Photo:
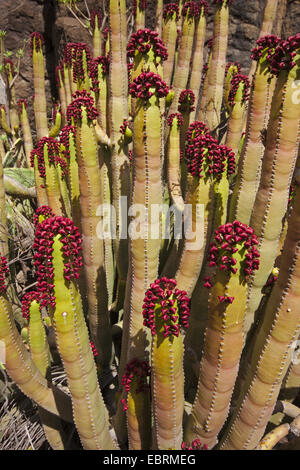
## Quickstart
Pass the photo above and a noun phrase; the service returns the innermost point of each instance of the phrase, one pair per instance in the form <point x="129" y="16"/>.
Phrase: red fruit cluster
<point x="36" y="41"/>
<point x="74" y="52"/>
<point x="27" y="299"/>
<point x="203" y="156"/>
<point x="285" y="52"/>
<point x="192" y="9"/>
<point x="195" y="129"/>
<point x="22" y="103"/>
<point x="43" y="248"/>
<point x="269" y="43"/>
<point x="94" y="349"/>
<point x="236" y="65"/>
<point x="135" y="370"/>
<point x="53" y="154"/>
<point x="165" y="307"/>
<point x="64" y="137"/>
<point x="124" y="126"/>
<point x="229" y="239"/>
<point x="81" y="99"/>
<point x="169" y="11"/>
<point x="103" y="62"/>
<point x="44" y="211"/>
<point x="141" y="85"/>
<point x="143" y="40"/>
<point x="96" y="14"/>
<point x="228" y="159"/>
<point x="173" y="116"/>
<point x="196" y="445"/>
<point x="235" y="82"/>
<point x="186" y="101"/>
<point x="4" y="272"/>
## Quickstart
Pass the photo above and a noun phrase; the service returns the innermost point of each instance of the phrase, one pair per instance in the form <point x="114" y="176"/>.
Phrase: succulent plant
<point x="175" y="329"/>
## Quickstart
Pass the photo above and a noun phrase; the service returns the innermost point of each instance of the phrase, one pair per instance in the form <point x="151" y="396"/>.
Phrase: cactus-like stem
<point x="278" y="166"/>
<point x="204" y="163"/>
<point x="266" y="27"/>
<point x="96" y="20"/>
<point x="197" y="60"/>
<point x="139" y="11"/>
<point x="68" y="149"/>
<point x="200" y="112"/>
<point x="54" y="131"/>
<point x="27" y="136"/>
<point x="249" y="167"/>
<point x="165" y="310"/>
<point x="118" y="111"/>
<point x="233" y="251"/>
<point x="137" y="404"/>
<point x="237" y="99"/>
<point x="173" y="159"/>
<point x="20" y="367"/>
<point x="58" y="261"/>
<point x="40" y="105"/>
<point x="83" y="112"/>
<point x="217" y="66"/>
<point x="61" y="91"/>
<point x="47" y="154"/>
<point x="147" y="89"/>
<point x="169" y="37"/>
<point x="40" y="354"/>
<point x="190" y="12"/>
<point x="3" y="121"/>
<point x="272" y="348"/>
<point x="232" y="69"/>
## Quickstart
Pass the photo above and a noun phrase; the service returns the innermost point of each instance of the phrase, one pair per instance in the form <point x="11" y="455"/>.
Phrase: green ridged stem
<point x="200" y="114"/>
<point x="97" y="38"/>
<point x="117" y="112"/>
<point x="25" y="374"/>
<point x="140" y="16"/>
<point x="278" y="165"/>
<point x="249" y="166"/>
<point x="236" y="119"/>
<point x="52" y="185"/>
<point x="197" y="62"/>
<point x="146" y="190"/>
<point x="169" y="36"/>
<point x="216" y="72"/>
<point x="41" y="193"/>
<point x="267" y="26"/>
<point x="221" y="352"/>
<point x="232" y="70"/>
<point x="272" y="349"/>
<point x="40" y="354"/>
<point x="39" y="102"/>
<point x="181" y="72"/>
<point x="26" y="131"/>
<point x="91" y="197"/>
<point x="173" y="165"/>
<point x="90" y="414"/>
<point x="4" y="122"/>
<point x="54" y="131"/>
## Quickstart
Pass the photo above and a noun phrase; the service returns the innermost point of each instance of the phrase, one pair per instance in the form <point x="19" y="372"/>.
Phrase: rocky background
<point x="19" y="18"/>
